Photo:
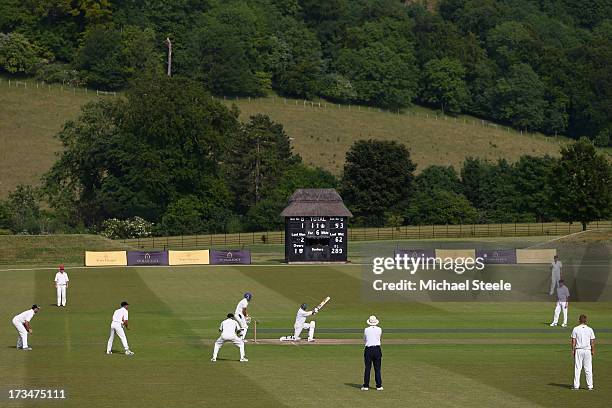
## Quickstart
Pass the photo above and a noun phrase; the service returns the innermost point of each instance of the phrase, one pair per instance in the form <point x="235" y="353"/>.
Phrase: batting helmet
<point x="248" y="296"/>
<point x="304" y="306"/>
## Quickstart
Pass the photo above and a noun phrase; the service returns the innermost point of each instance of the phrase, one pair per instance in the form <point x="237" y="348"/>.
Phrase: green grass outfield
<point x="174" y="315"/>
<point x="438" y="354"/>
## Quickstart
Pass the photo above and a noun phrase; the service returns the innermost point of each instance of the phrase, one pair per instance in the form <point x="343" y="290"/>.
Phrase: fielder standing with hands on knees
<point x="22" y="324"/>
<point x="372" y="354"/>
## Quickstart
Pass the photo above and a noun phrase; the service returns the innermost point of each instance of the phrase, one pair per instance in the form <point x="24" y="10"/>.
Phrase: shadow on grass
<point x="353" y="385"/>
<point x="568" y="386"/>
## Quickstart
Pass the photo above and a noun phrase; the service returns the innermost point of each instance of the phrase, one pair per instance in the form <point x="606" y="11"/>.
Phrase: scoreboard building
<point x="316" y="226"/>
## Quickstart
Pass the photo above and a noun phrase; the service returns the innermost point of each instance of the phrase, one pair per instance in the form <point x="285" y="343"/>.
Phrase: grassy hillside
<point x="52" y="249"/>
<point x="321" y="135"/>
<point x="28" y="120"/>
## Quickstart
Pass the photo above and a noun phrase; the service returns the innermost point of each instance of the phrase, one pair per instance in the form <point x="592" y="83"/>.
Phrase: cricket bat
<point x="323" y="303"/>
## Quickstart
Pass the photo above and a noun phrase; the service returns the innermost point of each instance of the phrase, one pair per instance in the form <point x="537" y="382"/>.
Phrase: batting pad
<point x="535" y="256"/>
<point x="456" y="253"/>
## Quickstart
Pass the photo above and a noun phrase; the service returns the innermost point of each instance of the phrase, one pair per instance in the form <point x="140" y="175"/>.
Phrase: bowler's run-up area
<point x="461" y="348"/>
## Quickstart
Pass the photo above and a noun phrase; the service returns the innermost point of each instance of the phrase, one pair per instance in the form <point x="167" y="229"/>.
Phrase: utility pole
<point x="169" y="44"/>
<point x="257" y="171"/>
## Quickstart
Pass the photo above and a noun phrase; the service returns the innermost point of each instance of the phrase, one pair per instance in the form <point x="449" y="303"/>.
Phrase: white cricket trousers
<point x="117" y="328"/>
<point x="22" y="334"/>
<point x="583" y="359"/>
<point x="560" y="306"/>
<point x="554" y="283"/>
<point x="61" y="295"/>
<point x="298" y="330"/>
<point x="243" y="324"/>
<point x="238" y="342"/>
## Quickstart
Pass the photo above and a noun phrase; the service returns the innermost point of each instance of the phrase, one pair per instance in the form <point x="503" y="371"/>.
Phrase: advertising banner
<point x="230" y="257"/>
<point x="535" y="256"/>
<point x="497" y="256"/>
<point x="200" y="257"/>
<point x="108" y="258"/>
<point x="152" y="258"/>
<point x="416" y="253"/>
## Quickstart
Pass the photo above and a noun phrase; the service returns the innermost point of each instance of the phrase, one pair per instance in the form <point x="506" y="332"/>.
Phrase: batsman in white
<point x="61" y="284"/>
<point x="229" y="329"/>
<point x="241" y="314"/>
<point x="22" y="324"/>
<point x="300" y="324"/>
<point x="120" y="320"/>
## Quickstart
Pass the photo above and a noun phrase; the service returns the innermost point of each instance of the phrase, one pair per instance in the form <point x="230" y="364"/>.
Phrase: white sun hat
<point x="372" y="321"/>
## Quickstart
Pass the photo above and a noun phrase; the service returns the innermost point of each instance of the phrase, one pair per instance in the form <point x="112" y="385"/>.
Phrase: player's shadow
<point x="353" y="385"/>
<point x="560" y="385"/>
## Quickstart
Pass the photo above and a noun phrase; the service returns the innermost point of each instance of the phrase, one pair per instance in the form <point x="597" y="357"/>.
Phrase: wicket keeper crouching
<point x="229" y="329"/>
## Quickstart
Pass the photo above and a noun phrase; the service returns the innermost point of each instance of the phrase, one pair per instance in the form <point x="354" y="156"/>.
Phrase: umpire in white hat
<point x="372" y="355"/>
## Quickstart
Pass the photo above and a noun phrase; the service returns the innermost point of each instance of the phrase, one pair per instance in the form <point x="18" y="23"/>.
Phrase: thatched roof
<point x="313" y="202"/>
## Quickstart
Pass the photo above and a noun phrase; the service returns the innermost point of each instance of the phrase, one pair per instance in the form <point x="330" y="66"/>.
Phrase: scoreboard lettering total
<point x="311" y="239"/>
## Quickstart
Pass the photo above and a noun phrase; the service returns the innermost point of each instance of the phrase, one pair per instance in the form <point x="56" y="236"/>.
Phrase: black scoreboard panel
<point x="316" y="239"/>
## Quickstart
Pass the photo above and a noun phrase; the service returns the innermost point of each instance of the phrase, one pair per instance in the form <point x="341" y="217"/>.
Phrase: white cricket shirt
<point x="300" y="317"/>
<point x="583" y="335"/>
<point x="120" y="315"/>
<point x="229" y="327"/>
<point x="556" y="268"/>
<point x="61" y="278"/>
<point x="24" y="316"/>
<point x="241" y="305"/>
<point x="563" y="293"/>
<point x="371" y="336"/>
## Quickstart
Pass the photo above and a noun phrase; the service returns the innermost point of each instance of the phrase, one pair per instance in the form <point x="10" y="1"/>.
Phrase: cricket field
<point x="435" y="353"/>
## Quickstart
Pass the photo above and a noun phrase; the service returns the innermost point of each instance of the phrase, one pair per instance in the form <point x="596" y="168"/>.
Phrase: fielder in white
<point x="562" y="304"/>
<point x="229" y="329"/>
<point x="300" y="324"/>
<point x="583" y="349"/>
<point x="120" y="320"/>
<point x="241" y="314"/>
<point x="22" y="324"/>
<point x="555" y="274"/>
<point x="61" y="284"/>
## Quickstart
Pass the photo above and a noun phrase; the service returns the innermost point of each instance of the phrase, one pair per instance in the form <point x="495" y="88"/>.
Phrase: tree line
<point x="167" y="159"/>
<point x="533" y="65"/>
